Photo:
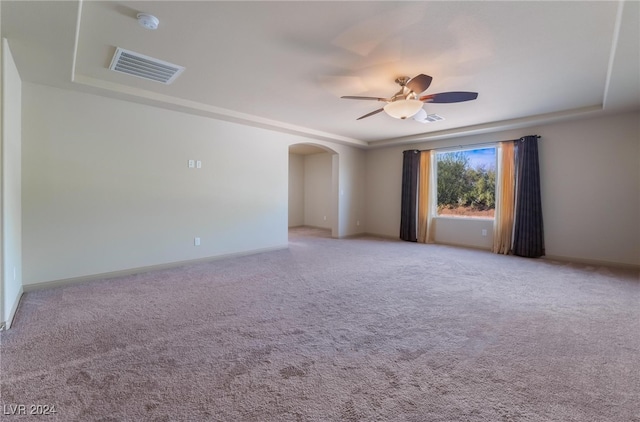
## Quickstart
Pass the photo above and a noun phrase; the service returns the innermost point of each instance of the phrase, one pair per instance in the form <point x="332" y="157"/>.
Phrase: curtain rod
<point x="474" y="145"/>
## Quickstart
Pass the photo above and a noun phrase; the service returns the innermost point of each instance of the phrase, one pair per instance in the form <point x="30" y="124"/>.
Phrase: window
<point x="466" y="183"/>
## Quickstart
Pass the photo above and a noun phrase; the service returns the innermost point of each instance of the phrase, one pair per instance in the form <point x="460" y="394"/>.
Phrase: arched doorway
<point x="313" y="187"/>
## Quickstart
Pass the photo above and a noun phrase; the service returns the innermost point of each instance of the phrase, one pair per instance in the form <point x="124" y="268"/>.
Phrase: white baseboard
<point x="460" y="245"/>
<point x="380" y="236"/>
<point x="12" y="313"/>
<point x="594" y="262"/>
<point x="307" y="226"/>
<point x="622" y="265"/>
<point x="82" y="279"/>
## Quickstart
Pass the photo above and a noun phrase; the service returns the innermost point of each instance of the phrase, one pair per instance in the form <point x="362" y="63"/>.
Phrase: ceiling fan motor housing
<point x="402" y="80"/>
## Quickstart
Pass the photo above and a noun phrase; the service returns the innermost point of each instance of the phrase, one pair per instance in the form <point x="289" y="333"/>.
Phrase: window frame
<point x="461" y="148"/>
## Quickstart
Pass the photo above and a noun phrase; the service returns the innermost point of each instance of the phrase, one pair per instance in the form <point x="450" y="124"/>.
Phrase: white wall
<point x="296" y="190"/>
<point x="352" y="192"/>
<point x="318" y="190"/>
<point x="464" y="232"/>
<point x="590" y="180"/>
<point x="106" y="186"/>
<point x="348" y="186"/>
<point x="3" y="317"/>
<point x="383" y="190"/>
<point x="11" y="185"/>
<point x="591" y="188"/>
<point x="311" y="194"/>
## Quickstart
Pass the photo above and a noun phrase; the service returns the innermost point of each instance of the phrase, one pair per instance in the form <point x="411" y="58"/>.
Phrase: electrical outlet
<point x="196" y="241"/>
<point x="191" y="164"/>
<point x="484" y="232"/>
<point x="357" y="222"/>
<point x="198" y="164"/>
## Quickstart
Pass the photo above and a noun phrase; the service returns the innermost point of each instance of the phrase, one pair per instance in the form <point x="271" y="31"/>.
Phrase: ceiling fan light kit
<point x="402" y="109"/>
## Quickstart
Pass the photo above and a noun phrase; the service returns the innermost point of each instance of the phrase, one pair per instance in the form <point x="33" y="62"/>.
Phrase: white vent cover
<point x="433" y="118"/>
<point x="145" y="67"/>
<point x="423" y="117"/>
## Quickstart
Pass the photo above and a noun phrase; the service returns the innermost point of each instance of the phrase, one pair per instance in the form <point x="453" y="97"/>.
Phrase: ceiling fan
<point x="407" y="102"/>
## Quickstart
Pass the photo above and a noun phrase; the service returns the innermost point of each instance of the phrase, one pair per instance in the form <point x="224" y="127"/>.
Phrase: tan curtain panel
<point x="425" y="206"/>
<point x="505" y="206"/>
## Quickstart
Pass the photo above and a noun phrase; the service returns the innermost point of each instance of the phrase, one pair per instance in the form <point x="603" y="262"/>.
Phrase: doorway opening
<point x="313" y="188"/>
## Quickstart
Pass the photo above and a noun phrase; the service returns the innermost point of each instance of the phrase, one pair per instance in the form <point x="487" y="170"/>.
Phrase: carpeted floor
<point x="333" y="330"/>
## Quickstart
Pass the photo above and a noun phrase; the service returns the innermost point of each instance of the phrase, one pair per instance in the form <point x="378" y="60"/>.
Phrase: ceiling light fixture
<point x="402" y="109"/>
<point x="148" y="21"/>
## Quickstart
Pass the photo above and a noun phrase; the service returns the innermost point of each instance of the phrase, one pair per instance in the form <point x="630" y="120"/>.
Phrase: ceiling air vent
<point x="145" y="67"/>
<point x="433" y="118"/>
<point x="427" y="118"/>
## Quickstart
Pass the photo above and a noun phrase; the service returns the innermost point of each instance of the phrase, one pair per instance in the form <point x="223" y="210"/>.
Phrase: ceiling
<point x="285" y="65"/>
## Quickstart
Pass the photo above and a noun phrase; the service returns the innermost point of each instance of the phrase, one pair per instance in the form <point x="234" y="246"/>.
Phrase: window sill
<point x="447" y="217"/>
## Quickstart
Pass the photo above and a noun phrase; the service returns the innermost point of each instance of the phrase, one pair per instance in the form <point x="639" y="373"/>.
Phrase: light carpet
<point x="361" y="329"/>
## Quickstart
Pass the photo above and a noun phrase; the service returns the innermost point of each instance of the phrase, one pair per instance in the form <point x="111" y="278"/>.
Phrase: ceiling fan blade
<point x="355" y="97"/>
<point x="420" y="83"/>
<point x="370" y="114"/>
<point x="450" y="97"/>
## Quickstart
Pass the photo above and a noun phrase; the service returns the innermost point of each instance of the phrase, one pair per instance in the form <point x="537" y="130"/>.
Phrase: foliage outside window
<point x="467" y="183"/>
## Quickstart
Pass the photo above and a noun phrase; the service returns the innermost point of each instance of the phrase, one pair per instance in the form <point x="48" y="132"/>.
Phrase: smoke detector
<point x="148" y="21"/>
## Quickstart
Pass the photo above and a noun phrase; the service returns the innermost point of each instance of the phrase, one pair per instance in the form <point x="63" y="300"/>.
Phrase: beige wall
<point x="106" y="186"/>
<point x="352" y="193"/>
<point x="590" y="177"/>
<point x="296" y="190"/>
<point x="464" y="232"/>
<point x="334" y="186"/>
<point x="11" y="185"/>
<point x="591" y="188"/>
<point x="318" y="190"/>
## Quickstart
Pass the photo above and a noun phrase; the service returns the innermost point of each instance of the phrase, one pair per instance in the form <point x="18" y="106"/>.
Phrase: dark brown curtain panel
<point x="408" y="216"/>
<point x="528" y="235"/>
